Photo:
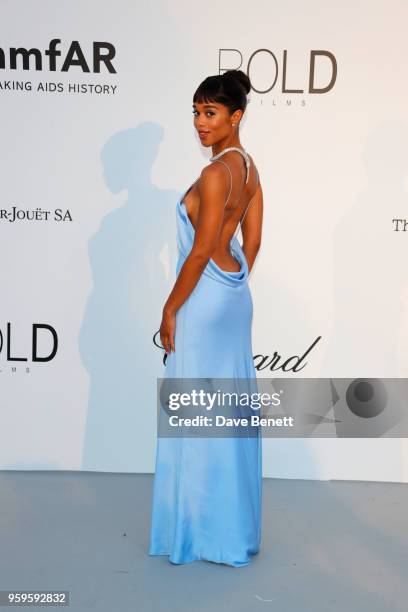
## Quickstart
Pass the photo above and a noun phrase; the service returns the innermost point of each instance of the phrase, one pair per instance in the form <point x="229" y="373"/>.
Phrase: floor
<point x="326" y="546"/>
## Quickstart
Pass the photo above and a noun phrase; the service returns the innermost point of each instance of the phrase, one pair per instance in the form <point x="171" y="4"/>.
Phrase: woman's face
<point x="213" y="122"/>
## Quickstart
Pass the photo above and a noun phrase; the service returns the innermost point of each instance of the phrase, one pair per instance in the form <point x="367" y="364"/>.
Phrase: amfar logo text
<point x="19" y="57"/>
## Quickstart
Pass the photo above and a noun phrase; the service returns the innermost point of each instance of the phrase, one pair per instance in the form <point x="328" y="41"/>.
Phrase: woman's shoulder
<point x="216" y="172"/>
<point x="213" y="176"/>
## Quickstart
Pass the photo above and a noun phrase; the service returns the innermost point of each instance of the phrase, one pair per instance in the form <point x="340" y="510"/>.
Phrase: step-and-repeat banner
<point x="97" y="143"/>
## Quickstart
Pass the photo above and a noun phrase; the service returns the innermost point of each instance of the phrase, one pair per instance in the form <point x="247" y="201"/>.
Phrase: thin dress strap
<point x="245" y="212"/>
<point x="257" y="183"/>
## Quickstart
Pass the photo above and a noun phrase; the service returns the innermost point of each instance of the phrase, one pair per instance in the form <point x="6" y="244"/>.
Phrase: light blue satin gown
<point x="207" y="492"/>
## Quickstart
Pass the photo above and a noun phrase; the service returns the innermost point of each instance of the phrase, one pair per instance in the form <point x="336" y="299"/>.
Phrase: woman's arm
<point x="212" y="186"/>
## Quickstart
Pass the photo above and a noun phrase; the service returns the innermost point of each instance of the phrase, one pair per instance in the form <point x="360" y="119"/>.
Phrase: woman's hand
<point x="168" y="330"/>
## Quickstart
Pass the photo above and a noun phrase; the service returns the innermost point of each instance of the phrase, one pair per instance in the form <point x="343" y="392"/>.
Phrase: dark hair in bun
<point x="230" y="88"/>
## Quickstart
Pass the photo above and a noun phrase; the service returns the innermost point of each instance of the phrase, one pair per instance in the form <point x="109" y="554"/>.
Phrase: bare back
<point x="242" y="190"/>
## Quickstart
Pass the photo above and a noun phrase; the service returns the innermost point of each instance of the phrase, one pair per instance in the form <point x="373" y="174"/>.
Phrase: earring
<point x="233" y="125"/>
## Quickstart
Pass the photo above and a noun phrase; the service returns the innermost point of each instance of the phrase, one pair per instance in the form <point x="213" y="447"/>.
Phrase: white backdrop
<point x="113" y="150"/>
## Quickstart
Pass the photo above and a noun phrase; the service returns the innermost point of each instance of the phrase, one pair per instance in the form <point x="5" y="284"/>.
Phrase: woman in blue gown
<point x="207" y="491"/>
